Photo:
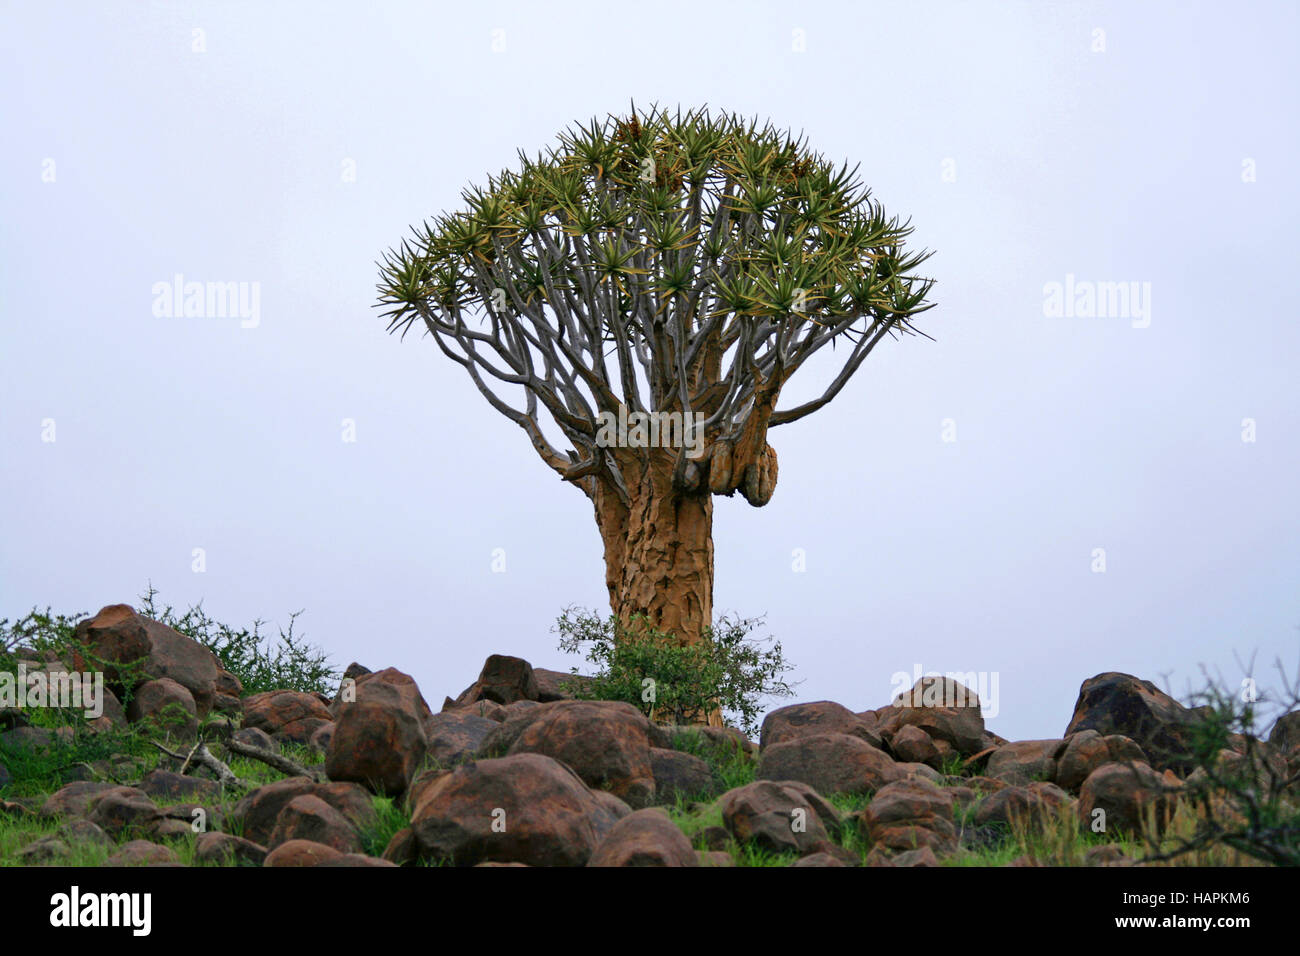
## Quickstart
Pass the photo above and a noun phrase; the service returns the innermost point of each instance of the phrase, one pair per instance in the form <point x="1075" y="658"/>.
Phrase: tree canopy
<point x="659" y="262"/>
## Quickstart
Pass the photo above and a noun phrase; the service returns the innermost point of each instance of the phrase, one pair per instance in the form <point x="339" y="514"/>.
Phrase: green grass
<point x="389" y="818"/>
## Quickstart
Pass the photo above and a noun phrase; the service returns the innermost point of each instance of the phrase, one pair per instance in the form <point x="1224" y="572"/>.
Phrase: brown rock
<point x="257" y="812"/>
<point x="309" y="817"/>
<point x="169" y="828"/>
<point x="1285" y="735"/>
<point x="919" y="770"/>
<point x="713" y="838"/>
<point x="829" y="763"/>
<point x="943" y="708"/>
<point x="680" y="776"/>
<point x="1114" y="703"/>
<point x="123" y="810"/>
<point x="913" y="745"/>
<point x="404" y="684"/>
<point x="612" y="804"/>
<point x="606" y="743"/>
<point x="504" y="680"/>
<point x="165" y="705"/>
<point x="715" y="858"/>
<point x="644" y="838"/>
<point x="1025" y="761"/>
<point x="1087" y="750"/>
<point x="515" y="718"/>
<point x="165" y="787"/>
<point x="222" y="849"/>
<point x="481" y="708"/>
<point x="908" y="815"/>
<point x="292" y="714"/>
<point x="118" y="636"/>
<point x="321" y="737"/>
<point x="557" y="685"/>
<point x="403" y="849"/>
<point x="1105" y="855"/>
<point x="44" y="849"/>
<point x="301" y="853"/>
<point x="455" y="736"/>
<point x="83" y="831"/>
<point x="379" y="740"/>
<point x="819" y="859"/>
<point x="255" y="737"/>
<point x="813" y="719"/>
<point x="525" y="808"/>
<point x="74" y="799"/>
<point x="356" y="859"/>
<point x="1125" y="794"/>
<point x="1021" y="806"/>
<point x="141" y="853"/>
<point x="922" y="857"/>
<point x="780" y="816"/>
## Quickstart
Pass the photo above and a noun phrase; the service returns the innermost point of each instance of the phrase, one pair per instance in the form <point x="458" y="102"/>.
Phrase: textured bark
<point x="659" y="551"/>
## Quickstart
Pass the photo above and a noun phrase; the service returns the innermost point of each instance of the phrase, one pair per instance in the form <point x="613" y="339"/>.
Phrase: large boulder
<point x="165" y="706"/>
<point x="1024" y="761"/>
<point x="908" y="815"/>
<point x="257" y="813"/>
<point x="456" y="735"/>
<point x="123" y="810"/>
<point x="524" y="808"/>
<point x="645" y="838"/>
<point x="293" y="853"/>
<point x="780" y="816"/>
<point x="1286" y="732"/>
<point x="606" y="743"/>
<point x="807" y="720"/>
<point x="1087" y="750"/>
<point x="829" y="763"/>
<point x="557" y="685"/>
<point x="680" y="776"/>
<point x="223" y="849"/>
<point x="1126" y="795"/>
<point x="378" y="739"/>
<point x="74" y="799"/>
<point x="228" y="691"/>
<point x="946" y="710"/>
<point x="1030" y="806"/>
<point x="134" y="649"/>
<point x="913" y="745"/>
<point x="504" y="679"/>
<point x="404" y="683"/>
<point x="1114" y="703"/>
<point x="166" y="787"/>
<point x="308" y="817"/>
<point x="141" y="853"/>
<point x="291" y="714"/>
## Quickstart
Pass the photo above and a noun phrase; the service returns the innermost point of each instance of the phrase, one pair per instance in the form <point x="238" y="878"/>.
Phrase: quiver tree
<point x="651" y="283"/>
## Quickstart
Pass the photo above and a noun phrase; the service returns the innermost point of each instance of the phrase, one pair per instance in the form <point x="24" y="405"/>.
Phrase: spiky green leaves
<point x="710" y="211"/>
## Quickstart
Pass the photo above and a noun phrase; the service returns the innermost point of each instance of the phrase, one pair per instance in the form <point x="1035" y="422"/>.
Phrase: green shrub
<point x="1240" y="795"/>
<point x="672" y="682"/>
<point x="259" y="661"/>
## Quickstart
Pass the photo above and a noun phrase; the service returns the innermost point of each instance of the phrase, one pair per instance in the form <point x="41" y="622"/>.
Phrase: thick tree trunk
<point x="659" y="551"/>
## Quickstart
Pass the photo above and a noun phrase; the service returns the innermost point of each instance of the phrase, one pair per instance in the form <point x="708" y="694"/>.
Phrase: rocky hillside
<point x="514" y="771"/>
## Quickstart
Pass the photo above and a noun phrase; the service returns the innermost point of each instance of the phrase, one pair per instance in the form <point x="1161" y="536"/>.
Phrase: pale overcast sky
<point x="1148" y="143"/>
